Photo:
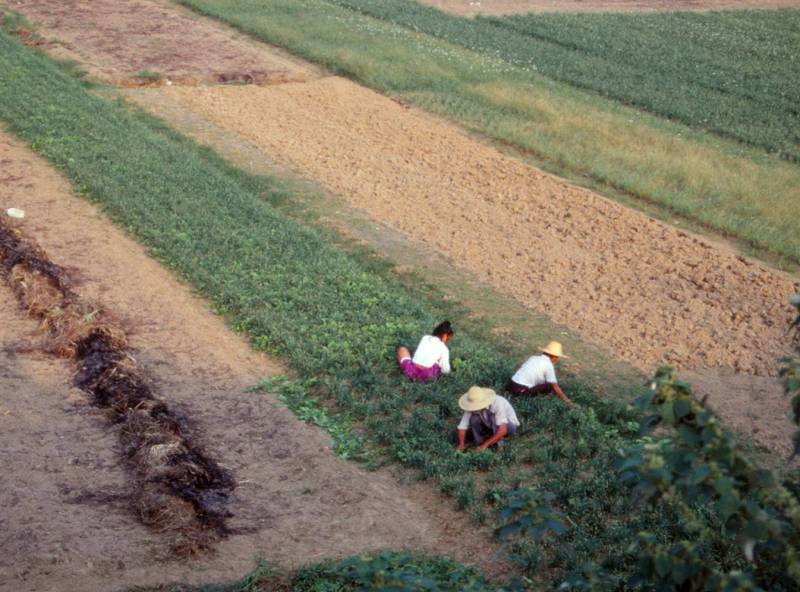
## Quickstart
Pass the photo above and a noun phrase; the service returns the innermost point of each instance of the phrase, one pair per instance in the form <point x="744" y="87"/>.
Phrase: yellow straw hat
<point x="554" y="349"/>
<point x="476" y="398"/>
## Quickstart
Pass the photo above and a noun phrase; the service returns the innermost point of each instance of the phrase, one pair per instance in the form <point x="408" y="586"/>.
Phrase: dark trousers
<point x="518" y="389"/>
<point x="480" y="430"/>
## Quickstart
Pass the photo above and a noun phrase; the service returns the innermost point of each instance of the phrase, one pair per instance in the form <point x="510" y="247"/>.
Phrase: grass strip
<point x="333" y="319"/>
<point x="720" y="184"/>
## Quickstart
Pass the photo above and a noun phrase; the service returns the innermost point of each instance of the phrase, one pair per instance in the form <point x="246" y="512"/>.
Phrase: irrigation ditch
<point x="176" y="488"/>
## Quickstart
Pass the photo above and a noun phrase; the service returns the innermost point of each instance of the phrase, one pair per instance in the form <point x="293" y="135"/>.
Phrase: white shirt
<point x="432" y="350"/>
<point x="535" y="371"/>
<point x="503" y="413"/>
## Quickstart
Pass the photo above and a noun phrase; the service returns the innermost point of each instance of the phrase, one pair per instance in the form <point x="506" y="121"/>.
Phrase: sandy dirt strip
<point x="651" y="293"/>
<point x="500" y="7"/>
<point x="65" y="519"/>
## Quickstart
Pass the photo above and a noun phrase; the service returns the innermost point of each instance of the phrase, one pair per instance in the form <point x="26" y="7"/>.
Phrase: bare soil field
<point x="500" y="7"/>
<point x="117" y="41"/>
<point x="68" y="522"/>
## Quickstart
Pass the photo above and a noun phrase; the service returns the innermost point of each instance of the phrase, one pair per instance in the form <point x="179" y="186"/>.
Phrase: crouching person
<point x="431" y="358"/>
<point x="488" y="418"/>
<point x="537" y="376"/>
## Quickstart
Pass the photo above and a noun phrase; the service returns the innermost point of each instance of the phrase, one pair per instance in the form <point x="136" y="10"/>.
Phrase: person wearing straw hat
<point x="538" y="374"/>
<point x="488" y="417"/>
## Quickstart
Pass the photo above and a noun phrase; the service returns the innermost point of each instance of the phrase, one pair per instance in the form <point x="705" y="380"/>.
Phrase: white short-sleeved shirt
<point x="503" y="413"/>
<point x="432" y="350"/>
<point x="535" y="371"/>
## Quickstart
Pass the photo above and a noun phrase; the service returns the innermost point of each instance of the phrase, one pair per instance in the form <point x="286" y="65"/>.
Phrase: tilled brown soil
<point x="499" y="7"/>
<point x="67" y="523"/>
<point x="651" y="293"/>
<point x="117" y="41"/>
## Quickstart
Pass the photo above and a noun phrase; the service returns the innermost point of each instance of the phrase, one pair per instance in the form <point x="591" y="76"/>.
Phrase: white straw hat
<point x="554" y="349"/>
<point x="476" y="398"/>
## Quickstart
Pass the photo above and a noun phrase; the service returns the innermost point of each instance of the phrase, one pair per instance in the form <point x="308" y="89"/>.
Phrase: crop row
<point x="733" y="73"/>
<point x="333" y="318"/>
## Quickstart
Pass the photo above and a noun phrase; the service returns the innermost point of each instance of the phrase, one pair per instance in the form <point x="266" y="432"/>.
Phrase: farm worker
<point x="486" y="415"/>
<point x="431" y="357"/>
<point x="538" y="375"/>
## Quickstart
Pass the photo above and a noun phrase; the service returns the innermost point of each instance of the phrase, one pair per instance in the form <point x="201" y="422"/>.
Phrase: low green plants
<point x="740" y="85"/>
<point x="392" y="572"/>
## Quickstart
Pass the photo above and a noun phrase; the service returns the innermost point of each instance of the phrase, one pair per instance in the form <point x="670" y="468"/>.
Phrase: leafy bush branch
<point x="718" y="494"/>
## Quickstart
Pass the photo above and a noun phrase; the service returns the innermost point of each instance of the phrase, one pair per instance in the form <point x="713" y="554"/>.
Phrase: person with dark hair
<point x="431" y="358"/>
<point x="537" y="375"/>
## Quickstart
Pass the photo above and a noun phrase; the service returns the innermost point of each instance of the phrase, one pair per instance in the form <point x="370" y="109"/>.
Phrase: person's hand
<point x="482" y="447"/>
<point x="460" y="448"/>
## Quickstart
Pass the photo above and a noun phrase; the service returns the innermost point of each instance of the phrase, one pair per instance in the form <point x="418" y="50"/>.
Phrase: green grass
<point x="720" y="184"/>
<point x="336" y="320"/>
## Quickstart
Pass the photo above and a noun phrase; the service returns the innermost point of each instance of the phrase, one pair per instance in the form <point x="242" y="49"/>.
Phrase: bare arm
<point x="462" y="439"/>
<point x="502" y="432"/>
<point x="560" y="394"/>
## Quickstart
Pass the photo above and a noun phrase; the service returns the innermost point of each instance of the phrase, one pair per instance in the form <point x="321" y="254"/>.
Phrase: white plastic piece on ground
<point x="15" y="212"/>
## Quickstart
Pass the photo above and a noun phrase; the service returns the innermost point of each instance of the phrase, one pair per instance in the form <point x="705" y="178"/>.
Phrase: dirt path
<point x="70" y="526"/>
<point x="500" y="7"/>
<point x="650" y="292"/>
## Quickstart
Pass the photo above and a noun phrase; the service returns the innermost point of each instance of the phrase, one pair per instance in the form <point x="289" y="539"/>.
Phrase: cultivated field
<point x="631" y="286"/>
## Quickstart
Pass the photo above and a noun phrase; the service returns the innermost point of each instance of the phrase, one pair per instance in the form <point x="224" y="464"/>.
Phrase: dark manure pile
<point x="178" y="490"/>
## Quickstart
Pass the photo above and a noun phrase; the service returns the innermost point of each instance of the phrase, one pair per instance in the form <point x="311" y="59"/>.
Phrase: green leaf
<point x="682" y="407"/>
<point x="667" y="412"/>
